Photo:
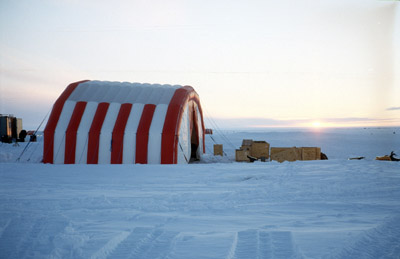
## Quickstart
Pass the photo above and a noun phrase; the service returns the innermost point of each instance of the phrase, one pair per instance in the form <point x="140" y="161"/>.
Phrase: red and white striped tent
<point x="99" y="122"/>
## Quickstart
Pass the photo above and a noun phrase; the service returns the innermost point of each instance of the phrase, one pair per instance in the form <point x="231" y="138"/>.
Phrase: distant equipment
<point x="357" y="158"/>
<point x="383" y="158"/>
<point x="208" y="131"/>
<point x="10" y="128"/>
<point x="388" y="158"/>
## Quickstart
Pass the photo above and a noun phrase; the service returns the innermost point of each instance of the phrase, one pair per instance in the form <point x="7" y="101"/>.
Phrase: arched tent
<point x="99" y="122"/>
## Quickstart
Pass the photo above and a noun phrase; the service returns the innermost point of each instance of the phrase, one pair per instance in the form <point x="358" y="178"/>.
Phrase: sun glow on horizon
<point x="316" y="124"/>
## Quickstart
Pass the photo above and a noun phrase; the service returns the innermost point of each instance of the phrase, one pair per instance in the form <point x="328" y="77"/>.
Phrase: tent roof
<point x="123" y="92"/>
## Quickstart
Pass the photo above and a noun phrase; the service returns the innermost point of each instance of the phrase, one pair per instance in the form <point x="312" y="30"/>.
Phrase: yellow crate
<point x="260" y="149"/>
<point x="241" y="155"/>
<point x="281" y="154"/>
<point x="218" y="150"/>
<point x="310" y="153"/>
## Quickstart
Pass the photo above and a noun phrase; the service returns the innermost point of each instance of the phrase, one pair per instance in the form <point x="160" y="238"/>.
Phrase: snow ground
<point x="306" y="209"/>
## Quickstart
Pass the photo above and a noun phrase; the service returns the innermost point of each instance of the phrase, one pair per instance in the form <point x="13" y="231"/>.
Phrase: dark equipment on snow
<point x="252" y="158"/>
<point x="392" y="158"/>
<point x="357" y="158"/>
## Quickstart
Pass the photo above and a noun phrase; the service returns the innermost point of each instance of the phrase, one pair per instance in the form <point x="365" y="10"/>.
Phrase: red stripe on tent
<point x="173" y="119"/>
<point x="170" y="134"/>
<point x="118" y="133"/>
<point x="142" y="135"/>
<point x="94" y="133"/>
<point x="48" y="145"/>
<point x="70" y="134"/>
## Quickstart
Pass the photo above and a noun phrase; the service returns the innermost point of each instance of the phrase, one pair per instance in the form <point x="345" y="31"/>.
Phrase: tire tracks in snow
<point x="263" y="244"/>
<point x="382" y="241"/>
<point x="28" y="237"/>
<point x="142" y="242"/>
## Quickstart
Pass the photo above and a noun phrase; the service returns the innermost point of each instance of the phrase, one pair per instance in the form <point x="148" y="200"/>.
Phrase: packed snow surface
<point x="217" y="208"/>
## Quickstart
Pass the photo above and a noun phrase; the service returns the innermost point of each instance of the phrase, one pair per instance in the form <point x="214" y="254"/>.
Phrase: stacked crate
<point x="255" y="149"/>
<point x="281" y="154"/>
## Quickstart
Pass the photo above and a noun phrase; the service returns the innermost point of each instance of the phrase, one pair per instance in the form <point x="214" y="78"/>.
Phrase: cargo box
<point x="260" y="149"/>
<point x="218" y="150"/>
<point x="246" y="144"/>
<point x="281" y="154"/>
<point x="241" y="155"/>
<point x="310" y="153"/>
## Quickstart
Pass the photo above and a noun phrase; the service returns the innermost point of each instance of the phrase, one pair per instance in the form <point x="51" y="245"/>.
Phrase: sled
<point x="357" y="158"/>
<point x="383" y="158"/>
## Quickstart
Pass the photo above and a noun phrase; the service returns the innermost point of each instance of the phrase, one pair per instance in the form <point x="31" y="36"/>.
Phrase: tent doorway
<point x="194" y="138"/>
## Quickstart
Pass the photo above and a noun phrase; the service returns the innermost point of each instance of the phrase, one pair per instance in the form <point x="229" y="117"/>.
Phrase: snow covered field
<point x="213" y="209"/>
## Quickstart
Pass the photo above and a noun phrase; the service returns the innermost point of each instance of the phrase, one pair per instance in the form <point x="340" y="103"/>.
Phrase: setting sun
<point x="316" y="124"/>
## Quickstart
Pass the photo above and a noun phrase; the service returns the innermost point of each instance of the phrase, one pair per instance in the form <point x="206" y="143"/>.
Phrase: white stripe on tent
<point x="200" y="130"/>
<point x="59" y="133"/>
<point x="184" y="138"/>
<point x="129" y="149"/>
<point x="83" y="133"/>
<point x="106" y="133"/>
<point x="157" y="124"/>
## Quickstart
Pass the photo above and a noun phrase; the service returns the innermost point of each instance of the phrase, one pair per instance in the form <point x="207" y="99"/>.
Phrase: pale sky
<point x="253" y="63"/>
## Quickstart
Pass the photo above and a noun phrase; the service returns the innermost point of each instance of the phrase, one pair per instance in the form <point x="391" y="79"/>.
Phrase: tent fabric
<point x="100" y="122"/>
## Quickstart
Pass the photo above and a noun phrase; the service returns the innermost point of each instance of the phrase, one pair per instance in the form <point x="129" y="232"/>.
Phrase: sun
<point x="316" y="124"/>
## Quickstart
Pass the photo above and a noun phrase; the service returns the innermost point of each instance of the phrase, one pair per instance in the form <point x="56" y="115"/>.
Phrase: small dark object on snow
<point x="252" y="158"/>
<point x="357" y="158"/>
<point x="392" y="154"/>
<point x="32" y="138"/>
<point x="323" y="156"/>
<point x="22" y="136"/>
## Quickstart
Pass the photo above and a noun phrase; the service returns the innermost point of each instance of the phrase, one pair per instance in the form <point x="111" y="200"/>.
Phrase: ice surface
<point x="219" y="209"/>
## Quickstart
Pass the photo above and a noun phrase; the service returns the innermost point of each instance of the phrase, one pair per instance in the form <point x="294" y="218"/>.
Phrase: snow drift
<point x="315" y="209"/>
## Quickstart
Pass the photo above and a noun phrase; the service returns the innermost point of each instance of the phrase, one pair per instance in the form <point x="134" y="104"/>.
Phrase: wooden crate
<point x="310" y="153"/>
<point x="246" y="144"/>
<point x="260" y="149"/>
<point x="241" y="155"/>
<point x="281" y="154"/>
<point x="218" y="150"/>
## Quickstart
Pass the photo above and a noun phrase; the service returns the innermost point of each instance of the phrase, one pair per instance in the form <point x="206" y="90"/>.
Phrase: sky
<point x="258" y="63"/>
